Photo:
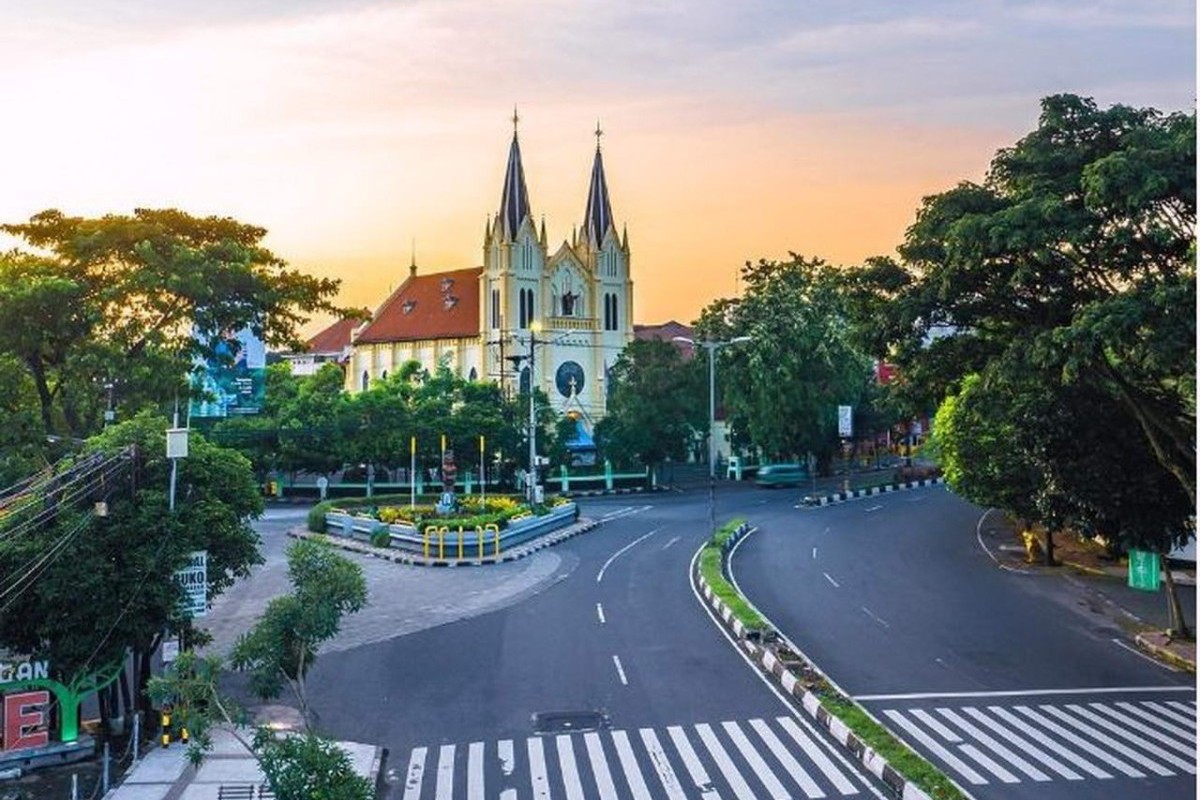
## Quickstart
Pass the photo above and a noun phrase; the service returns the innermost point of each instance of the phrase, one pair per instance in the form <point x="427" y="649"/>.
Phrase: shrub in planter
<point x="381" y="538"/>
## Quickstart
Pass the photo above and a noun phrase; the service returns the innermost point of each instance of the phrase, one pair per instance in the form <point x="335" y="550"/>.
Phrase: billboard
<point x="230" y="385"/>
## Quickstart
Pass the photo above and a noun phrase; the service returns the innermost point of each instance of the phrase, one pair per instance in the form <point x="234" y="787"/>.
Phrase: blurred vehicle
<point x="773" y="475"/>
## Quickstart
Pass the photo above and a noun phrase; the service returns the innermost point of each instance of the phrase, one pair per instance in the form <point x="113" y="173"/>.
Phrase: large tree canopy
<point x="1077" y="255"/>
<point x="781" y="390"/>
<point x="133" y="299"/>
<point x="655" y="403"/>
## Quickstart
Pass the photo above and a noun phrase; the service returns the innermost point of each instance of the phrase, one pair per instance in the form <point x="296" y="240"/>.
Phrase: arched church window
<point x="616" y="325"/>
<point x="525" y="379"/>
<point x="366" y="380"/>
<point x="473" y="375"/>
<point x="383" y="377"/>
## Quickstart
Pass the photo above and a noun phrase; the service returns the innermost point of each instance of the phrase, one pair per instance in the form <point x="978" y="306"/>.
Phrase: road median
<point x="906" y="773"/>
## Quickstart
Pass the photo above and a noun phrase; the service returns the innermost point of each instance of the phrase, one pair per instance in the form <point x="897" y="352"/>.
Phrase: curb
<point x="398" y="556"/>
<point x="606" y="492"/>
<point x="876" y="764"/>
<point x="812" y="501"/>
<point x="1164" y="653"/>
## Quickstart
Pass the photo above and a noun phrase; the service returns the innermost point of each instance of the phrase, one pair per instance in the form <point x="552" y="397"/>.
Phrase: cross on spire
<point x="599" y="133"/>
<point x="515" y="118"/>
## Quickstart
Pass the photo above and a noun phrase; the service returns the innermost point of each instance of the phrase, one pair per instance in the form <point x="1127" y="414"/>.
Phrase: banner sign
<point x="845" y="422"/>
<point x="194" y="580"/>
<point x="232" y="385"/>
<point x="24" y="671"/>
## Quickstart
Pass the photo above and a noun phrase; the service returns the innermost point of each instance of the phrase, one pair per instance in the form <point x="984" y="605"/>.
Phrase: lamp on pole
<point x="533" y="411"/>
<point x="712" y="347"/>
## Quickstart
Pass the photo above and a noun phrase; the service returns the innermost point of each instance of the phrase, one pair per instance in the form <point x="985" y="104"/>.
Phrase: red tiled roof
<point x="666" y="332"/>
<point x="335" y="338"/>
<point x="440" y="305"/>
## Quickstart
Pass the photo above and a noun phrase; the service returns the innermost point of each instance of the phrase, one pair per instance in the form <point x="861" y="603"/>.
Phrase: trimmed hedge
<point x="710" y="569"/>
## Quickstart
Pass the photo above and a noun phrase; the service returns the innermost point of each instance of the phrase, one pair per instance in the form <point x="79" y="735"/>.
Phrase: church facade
<point x="571" y="306"/>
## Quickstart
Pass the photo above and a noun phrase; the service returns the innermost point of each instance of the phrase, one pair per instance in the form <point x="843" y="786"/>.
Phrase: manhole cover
<point x="568" y="721"/>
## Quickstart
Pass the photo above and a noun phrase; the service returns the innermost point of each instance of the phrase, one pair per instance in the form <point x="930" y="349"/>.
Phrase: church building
<point x="574" y="303"/>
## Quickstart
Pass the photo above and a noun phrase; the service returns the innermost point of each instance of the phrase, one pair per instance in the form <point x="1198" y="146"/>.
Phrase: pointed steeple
<point x="514" y="201"/>
<point x="543" y="234"/>
<point x="598" y="216"/>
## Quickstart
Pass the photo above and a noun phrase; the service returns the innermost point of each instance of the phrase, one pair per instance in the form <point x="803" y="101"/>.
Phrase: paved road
<point x="1013" y="683"/>
<point x="609" y="681"/>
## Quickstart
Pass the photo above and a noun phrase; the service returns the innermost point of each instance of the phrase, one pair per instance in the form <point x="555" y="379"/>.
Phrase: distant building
<point x="331" y="345"/>
<point x="667" y="332"/>
<point x="577" y="299"/>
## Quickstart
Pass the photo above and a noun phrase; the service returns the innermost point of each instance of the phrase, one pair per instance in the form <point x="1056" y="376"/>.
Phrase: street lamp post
<point x="712" y="347"/>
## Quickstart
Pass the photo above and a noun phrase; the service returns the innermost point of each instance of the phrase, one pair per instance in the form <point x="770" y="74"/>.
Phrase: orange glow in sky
<point x="351" y="130"/>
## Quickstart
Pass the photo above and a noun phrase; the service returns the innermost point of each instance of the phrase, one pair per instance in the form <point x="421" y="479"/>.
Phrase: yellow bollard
<point x="166" y="728"/>
<point x="460" y="543"/>
<point x="479" y="540"/>
<point x="495" y="529"/>
<point x="442" y="531"/>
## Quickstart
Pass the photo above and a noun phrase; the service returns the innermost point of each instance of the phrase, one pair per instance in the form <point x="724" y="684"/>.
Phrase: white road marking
<point x="695" y="769"/>
<point x="810" y="748"/>
<point x="934" y="747"/>
<point x="673" y="540"/>
<point x="1120" y="732"/>
<point x="613" y="557"/>
<point x="539" y="781"/>
<point x="620" y="512"/>
<point x="814" y="552"/>
<point x="872" y="508"/>
<point x="416" y="773"/>
<point x="445" y="773"/>
<point x="604" y="781"/>
<point x="916" y="499"/>
<point x="507" y="761"/>
<point x="1024" y="745"/>
<point x="1171" y="711"/>
<point x="1024" y="693"/>
<point x="1133" y="723"/>
<point x="760" y="768"/>
<point x="937" y="725"/>
<point x="475" y="771"/>
<point x="637" y="784"/>
<point x="724" y="762"/>
<point x="989" y="764"/>
<point x="785" y="758"/>
<point x="875" y="617"/>
<point x="620" y="671"/>
<point x="831" y="580"/>
<point x="993" y="745"/>
<point x="661" y="765"/>
<point x="1048" y="742"/>
<point x="600" y="612"/>
<point x="566" y="763"/>
<point x="1079" y="742"/>
<point x="1140" y="654"/>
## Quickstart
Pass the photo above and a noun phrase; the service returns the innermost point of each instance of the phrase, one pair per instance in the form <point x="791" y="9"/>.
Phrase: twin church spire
<point x="514" y="200"/>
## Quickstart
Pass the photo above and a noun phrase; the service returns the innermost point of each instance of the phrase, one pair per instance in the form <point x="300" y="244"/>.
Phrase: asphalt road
<point x="1012" y="683"/>
<point x="610" y="680"/>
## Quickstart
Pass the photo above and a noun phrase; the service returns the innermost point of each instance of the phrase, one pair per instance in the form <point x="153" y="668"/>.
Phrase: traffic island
<point x="908" y="775"/>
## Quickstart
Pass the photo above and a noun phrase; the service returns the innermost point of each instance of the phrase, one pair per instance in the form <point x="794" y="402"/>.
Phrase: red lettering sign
<point x="25" y="720"/>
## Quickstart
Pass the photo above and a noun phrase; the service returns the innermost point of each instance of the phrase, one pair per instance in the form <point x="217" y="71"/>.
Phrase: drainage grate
<point x="548" y="722"/>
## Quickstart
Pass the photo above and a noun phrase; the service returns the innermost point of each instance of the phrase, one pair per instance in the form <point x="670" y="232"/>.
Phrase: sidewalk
<point x="165" y="774"/>
<point x="1085" y="571"/>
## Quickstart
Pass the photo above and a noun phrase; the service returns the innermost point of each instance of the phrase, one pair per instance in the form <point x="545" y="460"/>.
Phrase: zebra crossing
<point x="1039" y="742"/>
<point x="753" y="759"/>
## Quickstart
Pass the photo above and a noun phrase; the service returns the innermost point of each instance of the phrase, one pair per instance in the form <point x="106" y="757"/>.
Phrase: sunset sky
<point x="733" y="130"/>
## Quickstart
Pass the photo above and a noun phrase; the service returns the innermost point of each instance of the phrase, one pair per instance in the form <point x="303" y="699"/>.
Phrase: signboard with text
<point x="194" y="580"/>
<point x="845" y="421"/>
<point x="1143" y="570"/>
<point x="232" y="384"/>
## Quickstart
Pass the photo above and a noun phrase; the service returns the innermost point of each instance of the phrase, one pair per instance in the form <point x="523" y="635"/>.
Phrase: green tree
<point x="124" y="563"/>
<point x="310" y="435"/>
<point x="257" y="436"/>
<point x="782" y="388"/>
<point x="308" y="767"/>
<point x="654" y="405"/>
<point x="282" y="646"/>
<point x="1079" y="248"/>
<point x="137" y="298"/>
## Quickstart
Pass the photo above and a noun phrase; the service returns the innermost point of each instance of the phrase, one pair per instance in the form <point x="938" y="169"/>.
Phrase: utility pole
<point x="532" y="421"/>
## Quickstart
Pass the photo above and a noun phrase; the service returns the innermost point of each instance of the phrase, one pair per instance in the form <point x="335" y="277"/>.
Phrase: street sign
<point x="845" y="422"/>
<point x="1143" y="570"/>
<point x="194" y="580"/>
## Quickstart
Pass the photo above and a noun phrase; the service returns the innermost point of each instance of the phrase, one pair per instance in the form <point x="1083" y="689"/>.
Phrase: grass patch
<point x="929" y="778"/>
<point x="710" y="570"/>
